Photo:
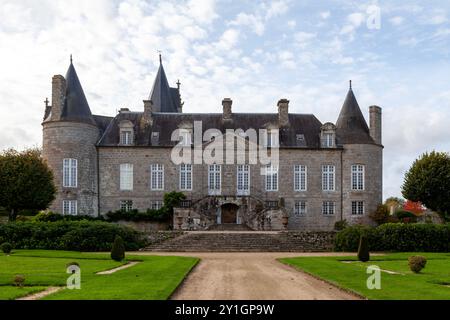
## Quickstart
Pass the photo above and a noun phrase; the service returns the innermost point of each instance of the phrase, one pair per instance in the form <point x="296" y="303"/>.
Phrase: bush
<point x="135" y="215"/>
<point x="118" y="249"/>
<point x="406" y="216"/>
<point x="363" y="250"/>
<point x="69" y="235"/>
<point x="397" y="237"/>
<point x="48" y="216"/>
<point x="6" y="248"/>
<point x="340" y="225"/>
<point x="417" y="263"/>
<point x="19" y="280"/>
<point x="381" y="214"/>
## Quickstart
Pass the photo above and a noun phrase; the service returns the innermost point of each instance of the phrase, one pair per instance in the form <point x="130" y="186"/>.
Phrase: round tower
<point x="70" y="134"/>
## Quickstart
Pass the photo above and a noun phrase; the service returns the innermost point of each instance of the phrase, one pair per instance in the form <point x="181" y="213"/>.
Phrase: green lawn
<point x="432" y="283"/>
<point x="154" y="278"/>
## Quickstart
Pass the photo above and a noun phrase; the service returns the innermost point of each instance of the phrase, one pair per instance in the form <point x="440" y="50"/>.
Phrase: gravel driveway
<point x="252" y="276"/>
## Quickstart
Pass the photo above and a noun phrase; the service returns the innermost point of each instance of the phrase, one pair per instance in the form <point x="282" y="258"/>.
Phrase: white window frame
<point x="271" y="180"/>
<point x="272" y="138"/>
<point x="214" y="179"/>
<point x="243" y="179"/>
<point x="185" y="177"/>
<point x="328" y="208"/>
<point x="70" y="207"/>
<point x="328" y="140"/>
<point x="358" y="208"/>
<point x="126" y="177"/>
<point x="157" y="177"/>
<point x="300" y="207"/>
<point x="126" y="137"/>
<point x="358" y="177"/>
<point x="126" y="205"/>
<point x="70" y="173"/>
<point x="156" y="204"/>
<point x="328" y="178"/>
<point x="300" y="178"/>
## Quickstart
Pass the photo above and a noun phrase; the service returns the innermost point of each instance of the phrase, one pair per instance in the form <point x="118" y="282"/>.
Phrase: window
<point x="272" y="204"/>
<point x="328" y="208"/>
<point x="156" y="205"/>
<point x="300" y="208"/>
<point x="186" y="137"/>
<point x="186" y="177"/>
<point x="70" y="172"/>
<point x="243" y="179"/>
<point x="126" y="137"/>
<point x="357" y="177"/>
<point x="126" y="177"/>
<point x="126" y="205"/>
<point x="299" y="178"/>
<point x="70" y="207"/>
<point x="271" y="178"/>
<point x="214" y="179"/>
<point x="328" y="178"/>
<point x="272" y="138"/>
<point x="157" y="177"/>
<point x="328" y="140"/>
<point x="357" y="208"/>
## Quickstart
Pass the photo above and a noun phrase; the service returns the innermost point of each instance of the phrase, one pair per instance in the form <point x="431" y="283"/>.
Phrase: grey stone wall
<point x="63" y="139"/>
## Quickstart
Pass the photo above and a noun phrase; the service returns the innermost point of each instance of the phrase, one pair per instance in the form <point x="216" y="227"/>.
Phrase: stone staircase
<point x="229" y="227"/>
<point x="247" y="241"/>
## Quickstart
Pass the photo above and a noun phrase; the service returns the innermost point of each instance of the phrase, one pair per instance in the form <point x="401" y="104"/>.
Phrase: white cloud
<point x="292" y="24"/>
<point x="396" y="21"/>
<point x="325" y="15"/>
<point x="250" y="20"/>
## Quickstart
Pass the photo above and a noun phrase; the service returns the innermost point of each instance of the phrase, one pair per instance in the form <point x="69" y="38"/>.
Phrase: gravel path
<point x="252" y="276"/>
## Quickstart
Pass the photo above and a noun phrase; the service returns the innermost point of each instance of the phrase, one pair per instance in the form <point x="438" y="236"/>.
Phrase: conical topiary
<point x="118" y="249"/>
<point x="363" y="250"/>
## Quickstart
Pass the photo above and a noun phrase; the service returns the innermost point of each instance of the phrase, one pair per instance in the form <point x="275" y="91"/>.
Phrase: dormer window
<point x="272" y="139"/>
<point x="126" y="133"/>
<point x="328" y="135"/>
<point x="185" y="137"/>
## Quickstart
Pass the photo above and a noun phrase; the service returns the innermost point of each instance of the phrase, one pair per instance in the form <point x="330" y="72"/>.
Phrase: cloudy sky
<point x="254" y="52"/>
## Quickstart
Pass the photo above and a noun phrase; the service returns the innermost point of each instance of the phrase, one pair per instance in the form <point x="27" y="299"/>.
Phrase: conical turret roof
<point x="351" y="127"/>
<point x="162" y="95"/>
<point x="76" y="107"/>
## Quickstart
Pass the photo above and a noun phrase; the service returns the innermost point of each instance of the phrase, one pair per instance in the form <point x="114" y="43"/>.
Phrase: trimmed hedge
<point x="53" y="217"/>
<point x="69" y="235"/>
<point x="397" y="237"/>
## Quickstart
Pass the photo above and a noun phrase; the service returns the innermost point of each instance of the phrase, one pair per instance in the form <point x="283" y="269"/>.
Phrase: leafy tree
<point x="428" y="181"/>
<point x="414" y="207"/>
<point x="172" y="200"/>
<point x="26" y="180"/>
<point x="381" y="214"/>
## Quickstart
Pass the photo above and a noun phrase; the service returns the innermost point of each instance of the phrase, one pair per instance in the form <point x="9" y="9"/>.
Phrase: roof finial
<point x="350" y="84"/>
<point x="178" y="84"/>
<point x="160" y="57"/>
<point x="71" y="59"/>
<point x="46" y="102"/>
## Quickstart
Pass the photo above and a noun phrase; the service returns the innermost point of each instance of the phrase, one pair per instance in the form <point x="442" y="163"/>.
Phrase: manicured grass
<point x="154" y="278"/>
<point x="431" y="283"/>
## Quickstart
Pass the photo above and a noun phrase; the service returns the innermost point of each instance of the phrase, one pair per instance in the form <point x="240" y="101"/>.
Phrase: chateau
<point x="326" y="172"/>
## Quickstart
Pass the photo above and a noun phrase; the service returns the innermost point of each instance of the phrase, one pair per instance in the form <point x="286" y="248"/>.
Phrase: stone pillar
<point x="227" y="113"/>
<point x="375" y="123"/>
<point x="283" y="113"/>
<point x="58" y="93"/>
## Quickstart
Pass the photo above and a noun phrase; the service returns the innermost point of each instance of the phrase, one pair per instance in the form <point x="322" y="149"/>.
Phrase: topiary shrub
<point x="6" y="248"/>
<point x="19" y="280"/>
<point x="417" y="263"/>
<point x="118" y="249"/>
<point x="363" y="250"/>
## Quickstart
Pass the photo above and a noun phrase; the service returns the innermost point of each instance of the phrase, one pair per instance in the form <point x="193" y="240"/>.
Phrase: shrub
<point x="417" y="263"/>
<point x="406" y="216"/>
<point x="6" y="248"/>
<point x="363" y="249"/>
<point x="340" y="225"/>
<point x="19" y="280"/>
<point x="397" y="237"/>
<point x="118" y="249"/>
<point x="49" y="216"/>
<point x="381" y="214"/>
<point x="69" y="235"/>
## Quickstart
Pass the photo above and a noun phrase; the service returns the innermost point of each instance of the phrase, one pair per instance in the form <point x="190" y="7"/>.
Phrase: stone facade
<point x="95" y="143"/>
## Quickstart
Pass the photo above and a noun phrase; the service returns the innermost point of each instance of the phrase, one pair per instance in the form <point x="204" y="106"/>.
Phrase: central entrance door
<point x="229" y="213"/>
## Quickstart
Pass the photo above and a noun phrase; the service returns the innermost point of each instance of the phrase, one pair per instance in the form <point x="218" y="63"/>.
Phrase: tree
<point x="380" y="215"/>
<point x="26" y="180"/>
<point x="428" y="181"/>
<point x="414" y="207"/>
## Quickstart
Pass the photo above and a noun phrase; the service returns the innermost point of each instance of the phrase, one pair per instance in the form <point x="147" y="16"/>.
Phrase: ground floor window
<point x="70" y="207"/>
<point x="300" y="208"/>
<point x="126" y="205"/>
<point x="156" y="205"/>
<point x="357" y="208"/>
<point x="328" y="208"/>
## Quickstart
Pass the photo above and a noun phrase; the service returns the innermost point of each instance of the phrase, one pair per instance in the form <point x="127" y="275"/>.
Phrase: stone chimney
<point x="227" y="113"/>
<point x="148" y="111"/>
<point x="375" y="123"/>
<point x="58" y="93"/>
<point x="283" y="113"/>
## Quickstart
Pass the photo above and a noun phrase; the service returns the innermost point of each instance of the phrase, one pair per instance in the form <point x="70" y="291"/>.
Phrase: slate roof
<point x="164" y="98"/>
<point x="165" y="123"/>
<point x="351" y="127"/>
<point x="76" y="107"/>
